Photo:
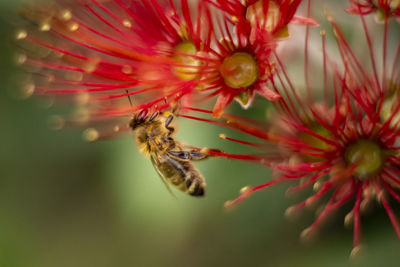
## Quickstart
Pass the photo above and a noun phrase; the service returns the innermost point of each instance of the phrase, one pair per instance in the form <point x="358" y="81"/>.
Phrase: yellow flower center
<point x="239" y="70"/>
<point x="184" y="53"/>
<point x="368" y="157"/>
<point x="315" y="142"/>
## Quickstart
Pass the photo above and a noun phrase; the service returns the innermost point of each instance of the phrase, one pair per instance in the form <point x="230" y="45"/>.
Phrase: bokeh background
<point x="65" y="202"/>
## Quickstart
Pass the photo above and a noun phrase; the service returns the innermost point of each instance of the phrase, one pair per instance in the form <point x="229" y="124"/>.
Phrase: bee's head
<point x="139" y="119"/>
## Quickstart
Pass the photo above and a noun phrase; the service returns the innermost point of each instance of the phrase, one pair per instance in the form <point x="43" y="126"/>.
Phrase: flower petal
<point x="304" y="21"/>
<point x="222" y="101"/>
<point x="266" y="92"/>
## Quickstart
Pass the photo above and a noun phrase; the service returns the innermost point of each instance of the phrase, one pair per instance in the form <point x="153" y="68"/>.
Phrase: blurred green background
<point x="65" y="202"/>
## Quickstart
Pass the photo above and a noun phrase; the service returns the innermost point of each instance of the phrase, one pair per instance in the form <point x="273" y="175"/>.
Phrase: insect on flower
<point x="346" y="147"/>
<point x="171" y="159"/>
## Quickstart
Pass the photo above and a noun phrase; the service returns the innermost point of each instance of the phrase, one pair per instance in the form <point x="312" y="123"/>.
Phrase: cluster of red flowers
<point x="342" y="140"/>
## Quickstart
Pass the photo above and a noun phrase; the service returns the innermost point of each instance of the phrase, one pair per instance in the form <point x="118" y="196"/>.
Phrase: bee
<point x="171" y="159"/>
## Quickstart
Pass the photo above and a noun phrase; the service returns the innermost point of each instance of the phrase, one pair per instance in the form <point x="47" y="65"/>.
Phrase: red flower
<point x="109" y="50"/>
<point x="270" y="15"/>
<point x="383" y="9"/>
<point x="347" y="150"/>
<point x="241" y="64"/>
<point x="238" y="68"/>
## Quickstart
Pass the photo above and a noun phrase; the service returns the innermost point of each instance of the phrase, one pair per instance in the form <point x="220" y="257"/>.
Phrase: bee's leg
<point x="179" y="155"/>
<point x="199" y="155"/>
<point x="168" y="122"/>
<point x="154" y="115"/>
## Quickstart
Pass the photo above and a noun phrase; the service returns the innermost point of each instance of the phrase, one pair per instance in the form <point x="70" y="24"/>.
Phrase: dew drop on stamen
<point x="307" y="235"/>
<point x="45" y="27"/>
<point x="126" y="69"/>
<point x="311" y="201"/>
<point x="21" y="58"/>
<point x="90" y="66"/>
<point x="73" y="26"/>
<point x="127" y="23"/>
<point x="317" y="186"/>
<point x="50" y="78"/>
<point x="56" y="122"/>
<point x="348" y="220"/>
<point x="73" y="76"/>
<point x="82" y="98"/>
<point x="21" y="34"/>
<point x="66" y="15"/>
<point x="81" y="116"/>
<point x="244" y="189"/>
<point x="291" y="213"/>
<point x="356" y="252"/>
<point x="28" y="90"/>
<point x="228" y="204"/>
<point x="222" y="136"/>
<point x="91" y="135"/>
<point x="365" y="205"/>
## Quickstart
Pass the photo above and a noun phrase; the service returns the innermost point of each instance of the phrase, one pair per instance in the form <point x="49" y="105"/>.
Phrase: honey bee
<point x="170" y="158"/>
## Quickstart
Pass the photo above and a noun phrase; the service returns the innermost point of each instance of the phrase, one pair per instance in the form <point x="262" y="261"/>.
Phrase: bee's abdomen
<point x="195" y="183"/>
<point x="196" y="189"/>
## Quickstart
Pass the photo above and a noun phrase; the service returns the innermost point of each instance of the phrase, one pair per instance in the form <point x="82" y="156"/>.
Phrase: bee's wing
<point x="187" y="153"/>
<point x="155" y="160"/>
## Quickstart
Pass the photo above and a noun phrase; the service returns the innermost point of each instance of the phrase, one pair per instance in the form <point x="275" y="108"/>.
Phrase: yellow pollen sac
<point x="239" y="70"/>
<point x="368" y="157"/>
<point x="184" y="53"/>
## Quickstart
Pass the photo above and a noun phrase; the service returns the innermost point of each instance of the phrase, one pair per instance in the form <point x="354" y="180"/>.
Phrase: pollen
<point x="367" y="156"/>
<point x="239" y="70"/>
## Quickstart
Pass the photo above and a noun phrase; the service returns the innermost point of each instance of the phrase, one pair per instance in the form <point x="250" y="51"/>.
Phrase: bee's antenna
<point x="129" y="97"/>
